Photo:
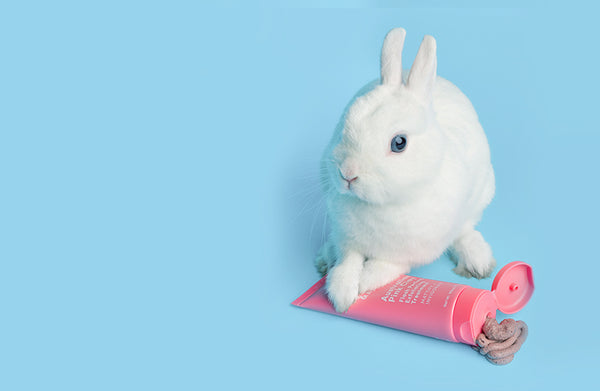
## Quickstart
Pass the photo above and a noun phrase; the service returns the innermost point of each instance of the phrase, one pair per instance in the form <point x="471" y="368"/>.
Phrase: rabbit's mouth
<point x="360" y="188"/>
<point x="348" y="181"/>
<point x="352" y="188"/>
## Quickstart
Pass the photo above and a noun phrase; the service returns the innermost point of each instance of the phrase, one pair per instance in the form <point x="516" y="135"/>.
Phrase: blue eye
<point x="398" y="143"/>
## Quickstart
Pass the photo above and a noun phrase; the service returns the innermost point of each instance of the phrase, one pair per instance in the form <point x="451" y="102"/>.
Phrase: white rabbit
<point x="407" y="176"/>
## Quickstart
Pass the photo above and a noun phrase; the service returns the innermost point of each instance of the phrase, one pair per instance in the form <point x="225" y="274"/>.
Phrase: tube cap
<point x="513" y="287"/>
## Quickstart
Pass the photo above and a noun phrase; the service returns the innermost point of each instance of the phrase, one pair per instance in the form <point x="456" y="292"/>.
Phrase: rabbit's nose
<point x="351" y="179"/>
<point x="348" y="178"/>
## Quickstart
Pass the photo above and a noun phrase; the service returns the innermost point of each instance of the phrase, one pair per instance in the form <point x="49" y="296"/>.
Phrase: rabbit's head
<point x="391" y="143"/>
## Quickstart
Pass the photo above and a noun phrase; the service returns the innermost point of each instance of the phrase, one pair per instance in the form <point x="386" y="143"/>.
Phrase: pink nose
<point x="351" y="180"/>
<point x="349" y="174"/>
<point x="348" y="180"/>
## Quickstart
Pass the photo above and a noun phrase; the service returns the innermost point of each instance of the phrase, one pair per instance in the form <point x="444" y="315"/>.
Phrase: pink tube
<point x="444" y="310"/>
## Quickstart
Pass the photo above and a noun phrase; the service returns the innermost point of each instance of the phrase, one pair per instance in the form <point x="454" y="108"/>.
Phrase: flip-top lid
<point x="513" y="287"/>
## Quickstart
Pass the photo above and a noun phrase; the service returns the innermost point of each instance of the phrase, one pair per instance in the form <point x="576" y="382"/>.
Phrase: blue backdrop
<point x="160" y="205"/>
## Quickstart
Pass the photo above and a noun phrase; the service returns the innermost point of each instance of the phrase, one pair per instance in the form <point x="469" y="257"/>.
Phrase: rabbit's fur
<point x="389" y="210"/>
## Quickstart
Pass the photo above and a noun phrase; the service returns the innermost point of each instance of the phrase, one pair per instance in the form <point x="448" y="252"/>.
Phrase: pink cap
<point x="513" y="287"/>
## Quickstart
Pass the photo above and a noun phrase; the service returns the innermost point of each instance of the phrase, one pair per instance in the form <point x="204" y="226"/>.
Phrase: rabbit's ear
<point x="423" y="72"/>
<point x="391" y="57"/>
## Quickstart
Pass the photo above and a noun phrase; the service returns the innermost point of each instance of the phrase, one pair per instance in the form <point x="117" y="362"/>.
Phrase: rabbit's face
<point x="390" y="145"/>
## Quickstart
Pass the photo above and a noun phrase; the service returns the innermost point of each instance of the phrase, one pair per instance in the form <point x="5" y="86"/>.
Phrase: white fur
<point x="404" y="209"/>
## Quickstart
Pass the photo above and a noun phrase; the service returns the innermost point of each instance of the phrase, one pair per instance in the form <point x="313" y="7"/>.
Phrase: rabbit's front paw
<point x="477" y="271"/>
<point x="342" y="288"/>
<point x="473" y="256"/>
<point x="324" y="259"/>
<point x="322" y="265"/>
<point x="377" y="273"/>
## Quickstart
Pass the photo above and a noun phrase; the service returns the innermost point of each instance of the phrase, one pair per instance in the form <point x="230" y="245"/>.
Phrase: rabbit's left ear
<point x="391" y="57"/>
<point x="421" y="78"/>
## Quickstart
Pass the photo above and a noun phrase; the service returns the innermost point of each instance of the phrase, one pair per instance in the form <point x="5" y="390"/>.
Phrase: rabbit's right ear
<point x="421" y="78"/>
<point x="391" y="57"/>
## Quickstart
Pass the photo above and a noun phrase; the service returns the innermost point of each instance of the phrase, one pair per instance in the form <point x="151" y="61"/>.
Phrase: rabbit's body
<point x="392" y="211"/>
<point x="454" y="200"/>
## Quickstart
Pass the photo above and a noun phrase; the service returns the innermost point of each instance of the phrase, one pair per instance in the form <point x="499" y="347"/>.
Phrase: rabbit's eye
<point x="398" y="143"/>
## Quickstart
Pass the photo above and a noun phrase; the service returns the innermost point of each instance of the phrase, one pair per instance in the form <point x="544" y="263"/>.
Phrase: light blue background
<point x="160" y="206"/>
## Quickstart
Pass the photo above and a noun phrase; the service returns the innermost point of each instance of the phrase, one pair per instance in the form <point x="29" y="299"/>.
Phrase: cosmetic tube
<point x="443" y="310"/>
